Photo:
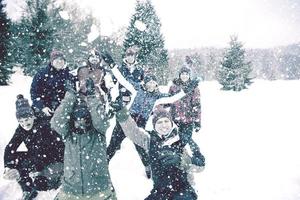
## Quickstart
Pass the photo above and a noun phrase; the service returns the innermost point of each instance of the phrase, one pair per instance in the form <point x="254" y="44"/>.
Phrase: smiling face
<point x="58" y="63"/>
<point x="26" y="123"/>
<point x="163" y="126"/>
<point x="184" y="76"/>
<point x="130" y="58"/>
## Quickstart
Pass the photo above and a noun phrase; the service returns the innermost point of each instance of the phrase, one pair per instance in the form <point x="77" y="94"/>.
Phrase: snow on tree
<point x="71" y="33"/>
<point x="47" y="25"/>
<point x="234" y="70"/>
<point x="33" y="36"/>
<point x="5" y="68"/>
<point x="144" y="32"/>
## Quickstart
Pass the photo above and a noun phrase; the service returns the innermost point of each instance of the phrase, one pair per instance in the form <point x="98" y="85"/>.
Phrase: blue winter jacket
<point x="47" y="88"/>
<point x="144" y="101"/>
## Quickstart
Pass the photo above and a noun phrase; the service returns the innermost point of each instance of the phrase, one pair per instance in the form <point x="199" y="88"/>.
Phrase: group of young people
<point x="64" y="130"/>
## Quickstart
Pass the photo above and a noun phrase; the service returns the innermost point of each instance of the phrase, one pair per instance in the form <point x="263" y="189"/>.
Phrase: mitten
<point x="70" y="87"/>
<point x="198" y="159"/>
<point x="169" y="158"/>
<point x="108" y="59"/>
<point x="197" y="126"/>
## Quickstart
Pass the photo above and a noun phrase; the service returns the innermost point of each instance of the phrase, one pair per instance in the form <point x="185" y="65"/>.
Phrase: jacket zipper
<point x="80" y="159"/>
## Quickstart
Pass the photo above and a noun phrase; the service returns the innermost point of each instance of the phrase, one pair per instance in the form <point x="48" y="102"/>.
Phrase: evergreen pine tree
<point x="234" y="71"/>
<point x="5" y="68"/>
<point x="144" y="32"/>
<point x="33" y="36"/>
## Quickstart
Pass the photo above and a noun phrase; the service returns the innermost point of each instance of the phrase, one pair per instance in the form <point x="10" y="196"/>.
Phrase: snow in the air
<point x="250" y="140"/>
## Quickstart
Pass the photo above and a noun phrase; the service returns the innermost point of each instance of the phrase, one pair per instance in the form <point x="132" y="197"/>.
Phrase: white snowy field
<point x="250" y="140"/>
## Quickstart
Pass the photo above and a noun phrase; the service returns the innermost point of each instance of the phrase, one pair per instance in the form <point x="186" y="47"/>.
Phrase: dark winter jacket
<point x="188" y="109"/>
<point x="134" y="77"/>
<point x="167" y="180"/>
<point x="47" y="88"/>
<point x="44" y="146"/>
<point x="85" y="165"/>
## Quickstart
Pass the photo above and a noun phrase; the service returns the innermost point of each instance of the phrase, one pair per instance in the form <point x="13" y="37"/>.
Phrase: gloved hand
<point x="108" y="59"/>
<point x="198" y="159"/>
<point x="11" y="174"/>
<point x="191" y="87"/>
<point x="197" y="126"/>
<point x="90" y="87"/>
<point x="169" y="158"/>
<point x="118" y="104"/>
<point x="70" y="87"/>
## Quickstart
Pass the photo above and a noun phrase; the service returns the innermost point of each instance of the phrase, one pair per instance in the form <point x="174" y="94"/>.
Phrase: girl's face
<point x="151" y="86"/>
<point x="58" y="63"/>
<point x="163" y="126"/>
<point x="184" y="76"/>
<point x="26" y="123"/>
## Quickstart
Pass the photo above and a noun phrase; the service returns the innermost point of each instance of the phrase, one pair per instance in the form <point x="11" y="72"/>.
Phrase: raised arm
<point x="138" y="135"/>
<point x="100" y="119"/>
<point x="132" y="87"/>
<point x="167" y="99"/>
<point x="60" y="122"/>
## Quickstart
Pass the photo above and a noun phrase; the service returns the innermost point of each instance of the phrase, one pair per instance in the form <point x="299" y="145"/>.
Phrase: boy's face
<point x="94" y="60"/>
<point x="26" y="123"/>
<point x="130" y="58"/>
<point x="163" y="126"/>
<point x="58" y="63"/>
<point x="151" y="86"/>
<point x="184" y="76"/>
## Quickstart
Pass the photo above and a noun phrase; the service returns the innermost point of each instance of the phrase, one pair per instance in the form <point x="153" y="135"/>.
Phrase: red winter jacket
<point x="188" y="109"/>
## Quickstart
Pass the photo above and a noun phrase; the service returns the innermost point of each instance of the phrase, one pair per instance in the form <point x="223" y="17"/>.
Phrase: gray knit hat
<point x="56" y="54"/>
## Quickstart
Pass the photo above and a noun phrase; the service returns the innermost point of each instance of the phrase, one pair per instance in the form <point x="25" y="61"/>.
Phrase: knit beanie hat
<point x="160" y="113"/>
<point x="56" y="54"/>
<point x="131" y="51"/>
<point x="185" y="69"/>
<point x="23" y="109"/>
<point x="150" y="77"/>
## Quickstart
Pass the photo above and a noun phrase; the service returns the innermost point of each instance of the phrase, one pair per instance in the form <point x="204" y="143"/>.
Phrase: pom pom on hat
<point x="23" y="109"/>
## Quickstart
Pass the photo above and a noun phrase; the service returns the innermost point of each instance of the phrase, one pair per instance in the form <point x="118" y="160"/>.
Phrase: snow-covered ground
<point x="250" y="140"/>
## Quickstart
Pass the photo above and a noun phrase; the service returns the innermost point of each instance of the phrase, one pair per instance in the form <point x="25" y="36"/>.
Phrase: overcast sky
<point x="201" y="23"/>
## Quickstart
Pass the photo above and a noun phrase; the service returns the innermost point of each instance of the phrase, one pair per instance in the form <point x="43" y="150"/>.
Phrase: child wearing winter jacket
<point x="83" y="124"/>
<point x="186" y="112"/>
<point x="47" y="87"/>
<point x="41" y="166"/>
<point x="169" y="163"/>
